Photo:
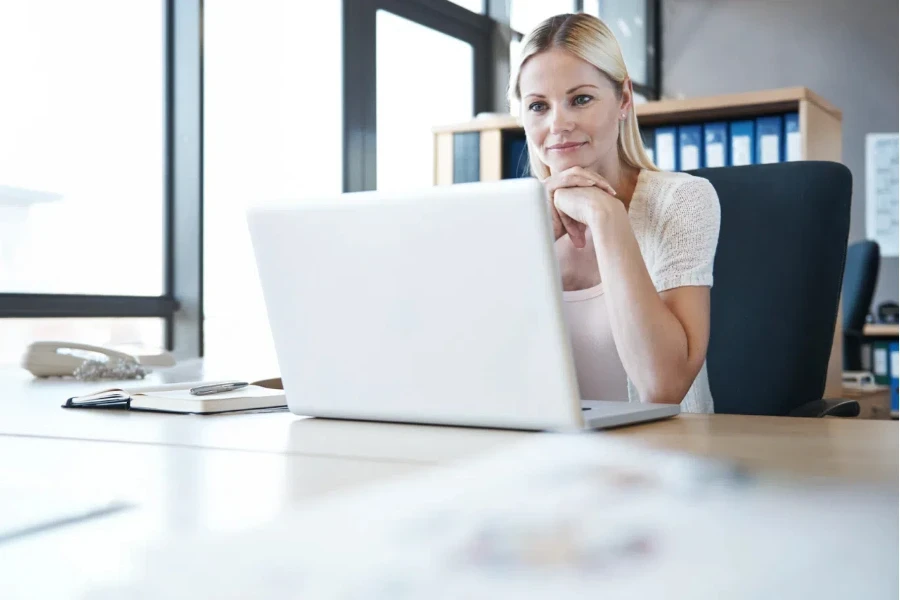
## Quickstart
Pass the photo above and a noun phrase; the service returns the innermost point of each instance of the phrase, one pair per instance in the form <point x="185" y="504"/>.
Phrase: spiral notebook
<point x="177" y="398"/>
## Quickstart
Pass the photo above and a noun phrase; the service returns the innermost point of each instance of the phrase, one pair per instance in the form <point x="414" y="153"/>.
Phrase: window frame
<point x="182" y="203"/>
<point x="360" y="76"/>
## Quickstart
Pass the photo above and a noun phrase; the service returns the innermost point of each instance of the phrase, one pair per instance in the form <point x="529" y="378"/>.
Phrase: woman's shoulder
<point x="674" y="200"/>
<point x="664" y="188"/>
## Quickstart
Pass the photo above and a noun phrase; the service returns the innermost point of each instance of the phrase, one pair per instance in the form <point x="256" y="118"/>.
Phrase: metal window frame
<point x="360" y="76"/>
<point x="183" y="203"/>
<point x="34" y="306"/>
<point x="654" y="50"/>
<point x="184" y="175"/>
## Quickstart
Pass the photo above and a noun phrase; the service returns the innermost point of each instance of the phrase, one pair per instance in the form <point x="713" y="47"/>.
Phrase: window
<point x="272" y="111"/>
<point x="393" y="93"/>
<point x="476" y="6"/>
<point x="408" y="108"/>
<point x="628" y="21"/>
<point x="81" y="147"/>
<point x="82" y="167"/>
<point x="592" y="7"/>
<point x="515" y="47"/>
<point x="525" y="15"/>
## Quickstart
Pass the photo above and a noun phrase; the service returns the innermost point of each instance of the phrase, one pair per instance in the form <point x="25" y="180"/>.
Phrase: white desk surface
<point x="32" y="407"/>
<point x="172" y="490"/>
<point x="853" y="449"/>
<point x="193" y="473"/>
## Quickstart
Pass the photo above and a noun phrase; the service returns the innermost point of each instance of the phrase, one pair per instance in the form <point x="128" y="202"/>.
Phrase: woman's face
<point x="570" y="111"/>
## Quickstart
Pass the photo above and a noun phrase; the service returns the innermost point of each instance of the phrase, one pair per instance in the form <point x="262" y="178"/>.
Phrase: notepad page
<point x="251" y="391"/>
<point x="249" y="397"/>
<point x="184" y="386"/>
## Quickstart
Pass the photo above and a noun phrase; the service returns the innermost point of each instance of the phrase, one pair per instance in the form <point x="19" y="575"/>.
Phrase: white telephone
<point x="60" y="359"/>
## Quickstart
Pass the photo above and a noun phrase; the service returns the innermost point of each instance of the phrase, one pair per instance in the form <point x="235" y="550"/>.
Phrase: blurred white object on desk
<point x="558" y="516"/>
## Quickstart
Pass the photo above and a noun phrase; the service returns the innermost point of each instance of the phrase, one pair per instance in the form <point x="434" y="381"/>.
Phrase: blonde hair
<point x="591" y="40"/>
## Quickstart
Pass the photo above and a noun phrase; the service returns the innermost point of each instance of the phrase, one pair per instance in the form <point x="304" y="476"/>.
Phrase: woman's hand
<point x="575" y="177"/>
<point x="586" y="205"/>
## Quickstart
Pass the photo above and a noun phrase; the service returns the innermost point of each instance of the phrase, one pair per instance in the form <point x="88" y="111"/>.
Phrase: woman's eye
<point x="536" y="106"/>
<point x="582" y="99"/>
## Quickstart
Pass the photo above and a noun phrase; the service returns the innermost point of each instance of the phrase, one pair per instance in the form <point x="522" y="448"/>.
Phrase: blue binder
<point x="792" y="150"/>
<point x="715" y="146"/>
<point x="743" y="143"/>
<point x="515" y="157"/>
<point x="893" y="367"/>
<point x="666" y="154"/>
<point x="690" y="147"/>
<point x="769" y="140"/>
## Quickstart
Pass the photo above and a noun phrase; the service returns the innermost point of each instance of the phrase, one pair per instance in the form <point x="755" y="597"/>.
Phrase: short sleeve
<point x="688" y="237"/>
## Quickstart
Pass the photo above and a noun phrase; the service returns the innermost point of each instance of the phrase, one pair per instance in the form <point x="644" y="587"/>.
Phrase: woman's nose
<point x="561" y="121"/>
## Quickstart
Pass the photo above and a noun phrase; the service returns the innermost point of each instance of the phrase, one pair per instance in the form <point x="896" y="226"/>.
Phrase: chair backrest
<point x="777" y="283"/>
<point x="860" y="276"/>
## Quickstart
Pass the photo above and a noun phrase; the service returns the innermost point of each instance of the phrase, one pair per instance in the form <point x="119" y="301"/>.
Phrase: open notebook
<point x="177" y="398"/>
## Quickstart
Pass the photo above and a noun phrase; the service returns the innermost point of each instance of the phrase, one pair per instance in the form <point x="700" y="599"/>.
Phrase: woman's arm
<point x="661" y="337"/>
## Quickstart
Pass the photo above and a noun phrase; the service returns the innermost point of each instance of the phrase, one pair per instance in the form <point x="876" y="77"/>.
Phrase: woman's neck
<point x="623" y="178"/>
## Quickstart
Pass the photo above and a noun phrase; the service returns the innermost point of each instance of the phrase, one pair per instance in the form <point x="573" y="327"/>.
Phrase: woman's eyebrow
<point x="569" y="91"/>
<point x="578" y="87"/>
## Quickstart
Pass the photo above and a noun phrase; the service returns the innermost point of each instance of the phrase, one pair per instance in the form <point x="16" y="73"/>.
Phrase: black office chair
<point x="860" y="276"/>
<point x="777" y="281"/>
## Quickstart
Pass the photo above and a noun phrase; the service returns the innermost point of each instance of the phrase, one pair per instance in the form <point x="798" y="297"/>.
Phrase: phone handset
<point x="59" y="359"/>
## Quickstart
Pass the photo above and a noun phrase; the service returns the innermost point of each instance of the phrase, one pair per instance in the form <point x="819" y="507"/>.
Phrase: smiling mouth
<point x="567" y="147"/>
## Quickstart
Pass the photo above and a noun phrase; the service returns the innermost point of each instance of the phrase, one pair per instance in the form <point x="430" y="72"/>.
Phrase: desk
<point x="174" y="490"/>
<point x="847" y="448"/>
<point x="227" y="472"/>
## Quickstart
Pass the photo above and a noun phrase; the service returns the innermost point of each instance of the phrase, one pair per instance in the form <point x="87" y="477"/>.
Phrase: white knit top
<point x="675" y="218"/>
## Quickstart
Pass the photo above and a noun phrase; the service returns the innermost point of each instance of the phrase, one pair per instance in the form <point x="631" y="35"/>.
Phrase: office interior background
<point x="133" y="135"/>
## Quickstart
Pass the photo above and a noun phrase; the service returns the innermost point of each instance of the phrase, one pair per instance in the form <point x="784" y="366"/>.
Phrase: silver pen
<point x="218" y="388"/>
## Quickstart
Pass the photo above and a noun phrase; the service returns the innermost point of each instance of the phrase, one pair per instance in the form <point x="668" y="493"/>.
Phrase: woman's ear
<point x="627" y="102"/>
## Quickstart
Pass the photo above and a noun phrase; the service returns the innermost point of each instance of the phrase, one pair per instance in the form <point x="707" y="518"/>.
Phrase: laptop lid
<point x="439" y="305"/>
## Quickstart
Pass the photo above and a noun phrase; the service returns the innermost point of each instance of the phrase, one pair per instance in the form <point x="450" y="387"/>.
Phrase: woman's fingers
<point x="559" y="229"/>
<point x="573" y="177"/>
<point x="571" y="180"/>
<point x="563" y="204"/>
<point x="581" y="173"/>
<point x="573" y="228"/>
<point x="563" y="223"/>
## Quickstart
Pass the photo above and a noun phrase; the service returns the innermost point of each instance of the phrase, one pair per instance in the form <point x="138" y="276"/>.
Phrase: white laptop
<point x="441" y="306"/>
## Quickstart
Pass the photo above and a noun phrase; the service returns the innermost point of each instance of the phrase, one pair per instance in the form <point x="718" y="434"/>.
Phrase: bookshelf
<point x="820" y="128"/>
<point x="488" y="147"/>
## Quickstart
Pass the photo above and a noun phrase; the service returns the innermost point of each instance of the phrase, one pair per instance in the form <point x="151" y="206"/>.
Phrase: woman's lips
<point x="567" y="147"/>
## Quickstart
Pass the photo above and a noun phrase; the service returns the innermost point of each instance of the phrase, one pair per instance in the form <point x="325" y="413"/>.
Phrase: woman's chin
<point x="561" y="164"/>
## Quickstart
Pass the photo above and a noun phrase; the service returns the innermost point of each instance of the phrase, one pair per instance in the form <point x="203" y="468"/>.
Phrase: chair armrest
<point x="835" y="407"/>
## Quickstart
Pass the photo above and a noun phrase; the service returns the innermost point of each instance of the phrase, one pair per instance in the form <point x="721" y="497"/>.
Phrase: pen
<point x="218" y="388"/>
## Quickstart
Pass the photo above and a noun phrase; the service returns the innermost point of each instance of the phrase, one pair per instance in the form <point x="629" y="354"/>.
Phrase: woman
<point x="635" y="244"/>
